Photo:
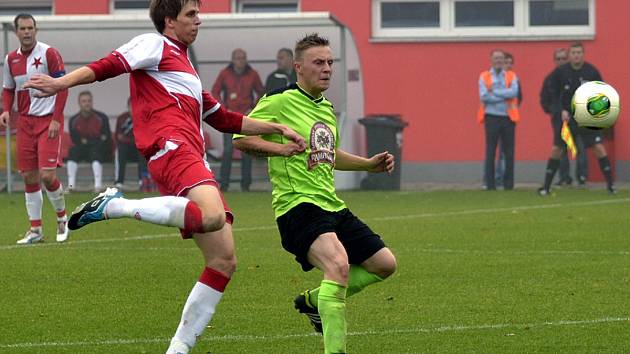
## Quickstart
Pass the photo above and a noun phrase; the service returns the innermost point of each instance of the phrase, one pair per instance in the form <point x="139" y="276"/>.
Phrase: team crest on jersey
<point x="322" y="146"/>
<point x="37" y="62"/>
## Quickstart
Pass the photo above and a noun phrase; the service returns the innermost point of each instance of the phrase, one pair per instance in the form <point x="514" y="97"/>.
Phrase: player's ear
<point x="169" y="22"/>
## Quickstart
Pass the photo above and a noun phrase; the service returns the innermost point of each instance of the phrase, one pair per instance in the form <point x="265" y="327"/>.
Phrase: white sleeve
<point x="7" y="78"/>
<point x="142" y="52"/>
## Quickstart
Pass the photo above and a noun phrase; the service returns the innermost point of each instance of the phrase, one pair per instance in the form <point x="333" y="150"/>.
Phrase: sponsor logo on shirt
<point x="322" y="144"/>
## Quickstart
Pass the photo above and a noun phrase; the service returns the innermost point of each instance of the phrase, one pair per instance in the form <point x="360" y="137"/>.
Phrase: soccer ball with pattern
<point x="595" y="105"/>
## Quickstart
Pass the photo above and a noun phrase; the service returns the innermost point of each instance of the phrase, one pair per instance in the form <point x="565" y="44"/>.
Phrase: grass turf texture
<point x="487" y="272"/>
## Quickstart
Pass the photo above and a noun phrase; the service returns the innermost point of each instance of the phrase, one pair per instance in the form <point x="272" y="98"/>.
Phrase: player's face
<point x="576" y="55"/>
<point x="315" y="69"/>
<point x="26" y="32"/>
<point x="186" y="26"/>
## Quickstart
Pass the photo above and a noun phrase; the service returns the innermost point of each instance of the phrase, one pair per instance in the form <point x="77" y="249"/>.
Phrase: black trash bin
<point x="384" y="133"/>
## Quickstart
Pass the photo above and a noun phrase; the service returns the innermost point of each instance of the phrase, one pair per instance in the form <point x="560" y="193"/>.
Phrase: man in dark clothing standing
<point x="284" y="75"/>
<point x="238" y="87"/>
<point x="564" y="81"/>
<point x="91" y="141"/>
<point x="550" y="103"/>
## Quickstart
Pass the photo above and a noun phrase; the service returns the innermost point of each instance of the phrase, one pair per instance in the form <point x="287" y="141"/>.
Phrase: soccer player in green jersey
<point x="315" y="225"/>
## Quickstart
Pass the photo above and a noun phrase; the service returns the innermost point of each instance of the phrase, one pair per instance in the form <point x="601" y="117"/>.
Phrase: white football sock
<point x="72" y="174"/>
<point x="166" y="210"/>
<point x="57" y="200"/>
<point x="97" y="168"/>
<point x="197" y="313"/>
<point x="34" y="203"/>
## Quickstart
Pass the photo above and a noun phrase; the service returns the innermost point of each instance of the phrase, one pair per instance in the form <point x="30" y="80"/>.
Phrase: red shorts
<point x="35" y="150"/>
<point x="177" y="168"/>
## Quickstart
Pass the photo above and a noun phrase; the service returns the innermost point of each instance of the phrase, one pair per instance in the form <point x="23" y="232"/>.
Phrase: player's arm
<point x="381" y="162"/>
<point x="8" y="95"/>
<point x="50" y="86"/>
<point x="232" y="122"/>
<point x="257" y="146"/>
<point x="56" y="69"/>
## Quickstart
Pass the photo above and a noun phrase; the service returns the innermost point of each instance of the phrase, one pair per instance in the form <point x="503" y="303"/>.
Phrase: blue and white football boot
<point x="92" y="210"/>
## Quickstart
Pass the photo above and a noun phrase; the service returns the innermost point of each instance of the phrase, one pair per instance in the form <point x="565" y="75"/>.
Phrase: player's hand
<point x="290" y="149"/>
<point x="295" y="137"/>
<point x="5" y="117"/>
<point x="382" y="162"/>
<point x="44" y="83"/>
<point x="565" y="115"/>
<point x="53" y="129"/>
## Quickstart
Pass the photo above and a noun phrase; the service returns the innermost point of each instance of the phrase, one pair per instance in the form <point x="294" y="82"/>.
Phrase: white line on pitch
<point x="380" y="218"/>
<point x="245" y="337"/>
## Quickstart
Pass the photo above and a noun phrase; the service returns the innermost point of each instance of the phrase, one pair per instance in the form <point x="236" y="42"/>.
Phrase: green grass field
<point x="481" y="272"/>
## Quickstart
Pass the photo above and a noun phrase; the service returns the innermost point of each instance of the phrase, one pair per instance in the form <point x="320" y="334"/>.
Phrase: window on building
<point x="33" y="7"/>
<point x="129" y="6"/>
<point x="558" y="13"/>
<point x="484" y="13"/>
<point x="470" y="20"/>
<point x="252" y="6"/>
<point x="410" y="14"/>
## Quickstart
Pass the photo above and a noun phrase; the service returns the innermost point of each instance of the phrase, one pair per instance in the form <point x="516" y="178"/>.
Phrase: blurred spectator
<point x="91" y="139"/>
<point x="126" y="151"/>
<point x="238" y="87"/>
<point x="284" y="75"/>
<point x="500" y="163"/>
<point x="550" y="103"/>
<point x="498" y="90"/>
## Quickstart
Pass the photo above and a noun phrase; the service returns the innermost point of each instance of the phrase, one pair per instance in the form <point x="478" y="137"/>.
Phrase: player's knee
<point x="338" y="271"/>
<point x="48" y="179"/>
<point x="387" y="267"/>
<point x="213" y="220"/>
<point x="225" y="264"/>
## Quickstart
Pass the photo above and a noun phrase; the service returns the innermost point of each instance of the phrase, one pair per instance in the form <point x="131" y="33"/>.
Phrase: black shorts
<point x="590" y="137"/>
<point x="300" y="226"/>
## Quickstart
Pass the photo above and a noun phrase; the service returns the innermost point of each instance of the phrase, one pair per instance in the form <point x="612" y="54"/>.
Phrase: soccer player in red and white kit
<point x="168" y="106"/>
<point x="40" y="126"/>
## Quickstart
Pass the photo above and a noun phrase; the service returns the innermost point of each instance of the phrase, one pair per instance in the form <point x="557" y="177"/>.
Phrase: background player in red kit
<point x="168" y="106"/>
<point x="40" y="125"/>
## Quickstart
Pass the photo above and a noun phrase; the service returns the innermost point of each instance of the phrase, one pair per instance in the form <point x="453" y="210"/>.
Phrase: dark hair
<point x="576" y="45"/>
<point x="23" y="16"/>
<point x="85" y="93"/>
<point x="309" y="41"/>
<point x="286" y="50"/>
<point x="159" y="10"/>
<point x="508" y="56"/>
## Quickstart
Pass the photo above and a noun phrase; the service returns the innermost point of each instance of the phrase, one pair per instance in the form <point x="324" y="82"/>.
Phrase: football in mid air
<point x="595" y="105"/>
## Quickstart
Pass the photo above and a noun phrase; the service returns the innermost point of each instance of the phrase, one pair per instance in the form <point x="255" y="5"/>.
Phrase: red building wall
<point x="71" y="7"/>
<point x="433" y="85"/>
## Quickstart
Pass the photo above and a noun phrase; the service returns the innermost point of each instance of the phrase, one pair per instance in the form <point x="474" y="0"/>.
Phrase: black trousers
<point x="129" y="153"/>
<point x="499" y="129"/>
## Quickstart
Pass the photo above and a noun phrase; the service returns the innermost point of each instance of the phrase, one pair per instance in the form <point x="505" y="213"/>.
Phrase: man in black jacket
<point x="565" y="80"/>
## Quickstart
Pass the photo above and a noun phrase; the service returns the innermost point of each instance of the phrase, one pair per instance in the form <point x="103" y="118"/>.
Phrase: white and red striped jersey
<point x="167" y="100"/>
<point x="19" y="67"/>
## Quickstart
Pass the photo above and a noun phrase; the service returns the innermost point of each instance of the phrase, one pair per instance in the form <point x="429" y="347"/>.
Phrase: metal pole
<point x="6" y="27"/>
<point x="344" y="80"/>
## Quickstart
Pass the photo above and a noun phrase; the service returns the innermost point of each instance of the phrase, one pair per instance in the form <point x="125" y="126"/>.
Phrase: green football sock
<point x="358" y="279"/>
<point x="331" y="305"/>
